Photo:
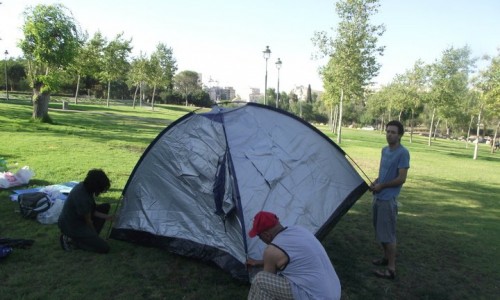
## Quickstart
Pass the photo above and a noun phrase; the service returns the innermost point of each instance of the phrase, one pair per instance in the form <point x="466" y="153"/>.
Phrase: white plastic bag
<point x="22" y="176"/>
<point x="52" y="214"/>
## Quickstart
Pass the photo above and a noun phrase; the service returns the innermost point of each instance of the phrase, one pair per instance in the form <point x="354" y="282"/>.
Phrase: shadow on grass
<point x="97" y="126"/>
<point x="447" y="244"/>
<point x="492" y="157"/>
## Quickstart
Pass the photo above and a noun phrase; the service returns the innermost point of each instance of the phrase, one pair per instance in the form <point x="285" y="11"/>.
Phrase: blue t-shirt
<point x="392" y="160"/>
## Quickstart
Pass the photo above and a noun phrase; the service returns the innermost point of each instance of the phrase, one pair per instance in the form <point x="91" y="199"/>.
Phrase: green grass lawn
<point x="448" y="222"/>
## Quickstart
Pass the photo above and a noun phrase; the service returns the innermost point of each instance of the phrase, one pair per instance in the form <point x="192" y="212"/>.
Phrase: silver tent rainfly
<point x="198" y="185"/>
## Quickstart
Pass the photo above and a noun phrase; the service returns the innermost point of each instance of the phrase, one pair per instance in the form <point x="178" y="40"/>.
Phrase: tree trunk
<point x="77" y="88"/>
<point x="141" y="94"/>
<point x="411" y="126"/>
<point x="335" y="118"/>
<point x="382" y="123"/>
<point x="436" y="128"/>
<point x="40" y="105"/>
<point x="135" y="94"/>
<point x="430" y="129"/>
<point x="153" y="98"/>
<point x="494" y="141"/>
<point x="331" y="118"/>
<point x="339" y="128"/>
<point x="109" y="88"/>
<point x="468" y="132"/>
<point x="476" y="146"/>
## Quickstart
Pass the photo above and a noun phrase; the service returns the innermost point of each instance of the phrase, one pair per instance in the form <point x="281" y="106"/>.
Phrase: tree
<point x="417" y="86"/>
<point x="186" y="83"/>
<point x="50" y="44"/>
<point x="272" y="97"/>
<point x="488" y="85"/>
<point x="137" y="75"/>
<point x="16" y="72"/>
<point x="284" y="101"/>
<point x="162" y="68"/>
<point x="115" y="61"/>
<point x="352" y="53"/>
<point x="449" y="85"/>
<point x="309" y="98"/>
<point x="201" y="98"/>
<point x="407" y="91"/>
<point x="379" y="105"/>
<point x="89" y="59"/>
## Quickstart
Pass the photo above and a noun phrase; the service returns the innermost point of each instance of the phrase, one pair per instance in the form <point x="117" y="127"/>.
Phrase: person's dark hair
<point x="96" y="182"/>
<point x="398" y="124"/>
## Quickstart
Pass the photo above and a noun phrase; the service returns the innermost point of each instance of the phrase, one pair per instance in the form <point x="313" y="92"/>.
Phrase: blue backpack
<point x="5" y="251"/>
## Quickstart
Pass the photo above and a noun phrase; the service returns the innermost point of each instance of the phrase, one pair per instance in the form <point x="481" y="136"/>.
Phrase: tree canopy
<point x="51" y="43"/>
<point x="352" y="53"/>
<point x="187" y="82"/>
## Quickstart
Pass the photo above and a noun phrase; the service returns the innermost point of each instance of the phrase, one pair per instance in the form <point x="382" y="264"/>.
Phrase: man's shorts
<point x="384" y="220"/>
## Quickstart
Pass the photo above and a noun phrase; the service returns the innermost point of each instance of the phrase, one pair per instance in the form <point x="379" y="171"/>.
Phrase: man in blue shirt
<point x="394" y="166"/>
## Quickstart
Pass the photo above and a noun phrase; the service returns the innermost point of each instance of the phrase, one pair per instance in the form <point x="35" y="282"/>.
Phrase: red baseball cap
<point x="263" y="221"/>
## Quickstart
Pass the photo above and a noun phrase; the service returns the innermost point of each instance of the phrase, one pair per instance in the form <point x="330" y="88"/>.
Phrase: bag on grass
<point x="51" y="215"/>
<point x="31" y="204"/>
<point x="16" y="243"/>
<point x="5" y="251"/>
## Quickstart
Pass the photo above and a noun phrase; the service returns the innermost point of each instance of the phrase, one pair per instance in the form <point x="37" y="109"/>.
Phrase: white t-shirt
<point x="309" y="270"/>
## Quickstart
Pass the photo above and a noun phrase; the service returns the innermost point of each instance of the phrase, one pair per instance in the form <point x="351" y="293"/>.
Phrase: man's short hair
<point x="398" y="124"/>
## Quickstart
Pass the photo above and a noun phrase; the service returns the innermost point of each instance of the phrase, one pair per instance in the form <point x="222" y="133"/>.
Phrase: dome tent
<point x="198" y="185"/>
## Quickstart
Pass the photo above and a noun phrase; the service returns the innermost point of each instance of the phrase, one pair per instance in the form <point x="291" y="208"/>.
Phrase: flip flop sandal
<point x="380" y="262"/>
<point x="387" y="274"/>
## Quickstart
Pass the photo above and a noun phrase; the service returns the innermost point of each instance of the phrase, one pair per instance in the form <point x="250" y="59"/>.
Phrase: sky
<point x="224" y="39"/>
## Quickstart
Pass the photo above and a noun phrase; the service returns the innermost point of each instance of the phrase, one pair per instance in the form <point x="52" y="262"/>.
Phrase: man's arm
<point x="88" y="220"/>
<point x="103" y="216"/>
<point x="399" y="180"/>
<point x="274" y="259"/>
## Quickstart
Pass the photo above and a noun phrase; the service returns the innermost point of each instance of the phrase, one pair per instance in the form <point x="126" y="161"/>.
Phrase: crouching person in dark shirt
<point x="81" y="219"/>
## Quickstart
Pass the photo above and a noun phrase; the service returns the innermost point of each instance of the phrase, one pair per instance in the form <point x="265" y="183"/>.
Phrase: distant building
<point x="200" y="79"/>
<point x="249" y="94"/>
<point x="218" y="93"/>
<point x="301" y="92"/>
<point x="254" y="95"/>
<point x="228" y="93"/>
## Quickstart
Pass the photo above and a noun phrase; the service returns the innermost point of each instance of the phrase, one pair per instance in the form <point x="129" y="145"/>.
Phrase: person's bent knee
<point x="103" y="250"/>
<point x="103" y="208"/>
<point x="102" y="247"/>
<point x="258" y="278"/>
<point x="93" y="244"/>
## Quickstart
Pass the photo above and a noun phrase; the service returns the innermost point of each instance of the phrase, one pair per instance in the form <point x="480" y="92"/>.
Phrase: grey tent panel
<point x="198" y="185"/>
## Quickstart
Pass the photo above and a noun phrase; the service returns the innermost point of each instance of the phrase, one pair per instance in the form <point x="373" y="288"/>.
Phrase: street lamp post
<point x="6" y="78"/>
<point x="267" y="54"/>
<point x="278" y="66"/>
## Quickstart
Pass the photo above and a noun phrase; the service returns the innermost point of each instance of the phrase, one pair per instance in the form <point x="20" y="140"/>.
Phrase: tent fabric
<point x="198" y="185"/>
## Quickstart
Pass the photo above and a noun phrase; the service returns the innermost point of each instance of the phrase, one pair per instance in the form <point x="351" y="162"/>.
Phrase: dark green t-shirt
<point x="79" y="203"/>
